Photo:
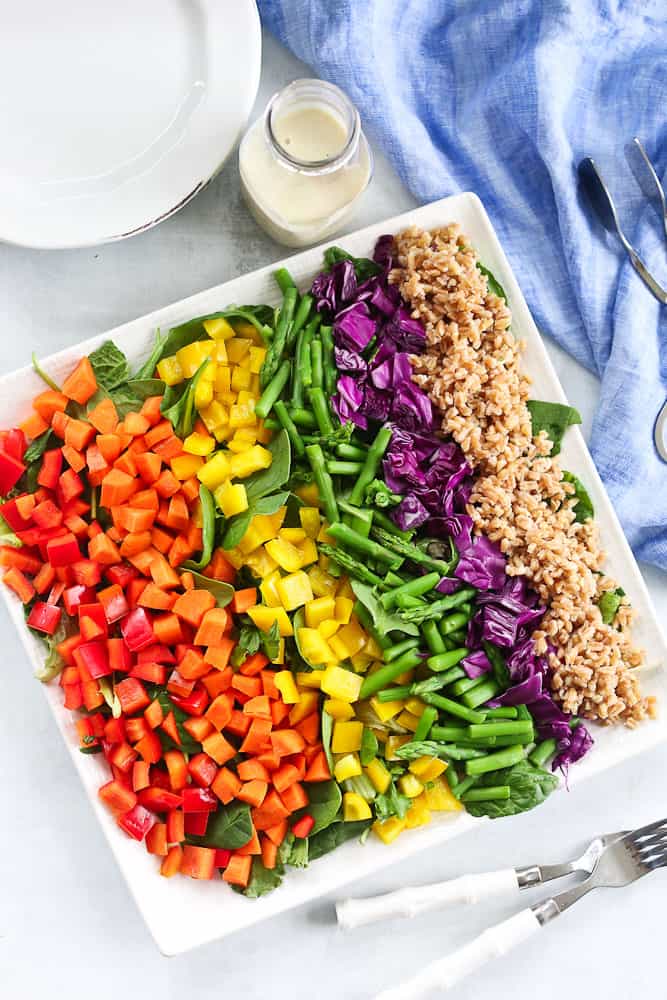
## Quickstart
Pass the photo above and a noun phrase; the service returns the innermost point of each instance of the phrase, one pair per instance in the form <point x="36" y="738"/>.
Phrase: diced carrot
<point x="286" y="775"/>
<point x="309" y="753"/>
<point x="187" y="581"/>
<point x="34" y="425"/>
<point x="59" y="422"/>
<point x="25" y="505"/>
<point x="155" y="598"/>
<point x="78" y="434"/>
<point x="212" y="628"/>
<point x="137" y="445"/>
<point x="103" y="550"/>
<point x="193" y="605"/>
<point x="190" y="489"/>
<point x="74" y="458"/>
<point x="180" y="550"/>
<point x="151" y="409"/>
<point x="172" y="863"/>
<point x="178" y="515"/>
<point x="117" y="796"/>
<point x="257" y="735"/>
<point x="154" y="714"/>
<point x="146" y="500"/>
<point x="92" y="696"/>
<point x="217" y="681"/>
<point x="159" y="432"/>
<point x="277" y="833"/>
<point x="269" y="685"/>
<point x="269" y="853"/>
<point x="253" y="846"/>
<point x="167" y="629"/>
<point x="81" y="384"/>
<point x="110" y="447"/>
<point x="294" y="797"/>
<point x="156" y="840"/>
<point x="135" y="519"/>
<point x="287" y="741"/>
<point x="217" y="747"/>
<point x="299" y="761"/>
<point x="44" y="578"/>
<point x="269" y="758"/>
<point x="169" y="448"/>
<point x="20" y="584"/>
<point x="220" y="568"/>
<point x="219" y="712"/>
<point x="140" y="775"/>
<point x="251" y="770"/>
<point x="135" y="543"/>
<point x="161" y="540"/>
<point x="310" y="728"/>
<point x="49" y="402"/>
<point x="143" y="561"/>
<point x="177" y="768"/>
<point x="175" y="826"/>
<point x="271" y="811"/>
<point x="237" y="871"/>
<point x="104" y="416"/>
<point x="218" y="656"/>
<point x="318" y="769"/>
<point x="199" y="862"/>
<point x="96" y="462"/>
<point x="250" y="686"/>
<point x="150" y="747"/>
<point x="239" y="724"/>
<point x="279" y="712"/>
<point x="243" y="599"/>
<point x="252" y="665"/>
<point x="162" y="574"/>
<point x="198" y="727"/>
<point x="126" y="463"/>
<point x="226" y="785"/>
<point x="117" y="487"/>
<point x="193" y="665"/>
<point x="148" y="465"/>
<point x="135" y="424"/>
<point x="167" y="485"/>
<point x="258" y="707"/>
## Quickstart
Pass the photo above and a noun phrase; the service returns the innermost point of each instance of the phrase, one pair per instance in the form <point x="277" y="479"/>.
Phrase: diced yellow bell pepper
<point x="223" y="379"/>
<point x="191" y="357"/>
<point x="264" y="617"/>
<point x="252" y="460"/>
<point x="342" y="684"/>
<point x="323" y="535"/>
<point x="405" y="678"/>
<point x="186" y="466"/>
<point x="339" y="648"/>
<point x="170" y="371"/>
<point x="264" y="435"/>
<point x="346" y="737"/>
<point x="427" y="768"/>
<point x="251" y="540"/>
<point x="285" y="554"/>
<point x="355" y="808"/>
<point x="319" y="610"/>
<point x="284" y="681"/>
<point x="219" y="329"/>
<point x="308" y="550"/>
<point x="235" y="557"/>
<point x="415" y="706"/>
<point x="245" y="329"/>
<point x="257" y="356"/>
<point x="237" y="348"/>
<point x="324" y="563"/>
<point x="306" y="705"/>
<point x="241" y="378"/>
<point x="280" y="655"/>
<point x="386" y="710"/>
<point x="310" y="679"/>
<point x="293" y="535"/>
<point x="340" y="710"/>
<point x="343" y="609"/>
<point x="410" y="785"/>
<point x="439" y="797"/>
<point x="328" y="628"/>
<point x="248" y="434"/>
<point x="378" y="774"/>
<point x="347" y="766"/>
<point x="245" y="396"/>
<point x="199" y="444"/>
<point x="260" y="563"/>
<point x="323" y="584"/>
<point x="242" y="415"/>
<point x="353" y="637"/>
<point x="237" y="446"/>
<point x="315" y="647"/>
<point x="345" y="589"/>
<point x="360" y="662"/>
<point x="408" y="721"/>
<point x="203" y="394"/>
<point x="418" y="814"/>
<point x="232" y="499"/>
<point x="310" y="521"/>
<point x="215" y="471"/>
<point x="389" y="829"/>
<point x="220" y="354"/>
<point x="214" y="416"/>
<point x="228" y="398"/>
<point x="309" y="494"/>
<point x="294" y="590"/>
<point x="393" y="744"/>
<point x="372" y="649"/>
<point x="268" y="588"/>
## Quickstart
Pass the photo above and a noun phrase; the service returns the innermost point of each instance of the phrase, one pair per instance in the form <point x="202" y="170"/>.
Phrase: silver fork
<point x="624" y="861"/>
<point x="413" y="900"/>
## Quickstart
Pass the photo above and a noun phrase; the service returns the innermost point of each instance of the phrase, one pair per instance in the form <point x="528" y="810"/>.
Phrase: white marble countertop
<point x="67" y="923"/>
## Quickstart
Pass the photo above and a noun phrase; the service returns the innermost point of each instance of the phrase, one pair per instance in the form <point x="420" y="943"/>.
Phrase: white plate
<point x="182" y="913"/>
<point x="113" y="116"/>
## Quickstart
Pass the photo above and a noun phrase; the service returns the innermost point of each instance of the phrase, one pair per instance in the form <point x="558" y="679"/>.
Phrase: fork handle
<point x="448" y="971"/>
<point x="419" y="899"/>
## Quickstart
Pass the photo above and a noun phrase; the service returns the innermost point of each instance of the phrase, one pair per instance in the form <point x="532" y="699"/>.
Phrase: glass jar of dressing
<point x="305" y="164"/>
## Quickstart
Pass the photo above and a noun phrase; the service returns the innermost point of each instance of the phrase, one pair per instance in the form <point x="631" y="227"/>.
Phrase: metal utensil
<point x="411" y="901"/>
<point x="623" y="861"/>
<point x="647" y="178"/>
<point x="603" y="205"/>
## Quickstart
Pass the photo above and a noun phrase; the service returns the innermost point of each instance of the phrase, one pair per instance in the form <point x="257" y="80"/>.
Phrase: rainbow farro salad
<point x="315" y="572"/>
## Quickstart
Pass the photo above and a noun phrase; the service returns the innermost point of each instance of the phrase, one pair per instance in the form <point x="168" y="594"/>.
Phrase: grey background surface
<point x="68" y="926"/>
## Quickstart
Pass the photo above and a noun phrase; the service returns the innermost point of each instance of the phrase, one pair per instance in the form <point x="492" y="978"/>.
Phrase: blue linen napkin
<point x="504" y="97"/>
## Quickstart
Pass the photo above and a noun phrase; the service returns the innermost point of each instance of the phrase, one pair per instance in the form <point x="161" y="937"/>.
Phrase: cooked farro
<point x="471" y="371"/>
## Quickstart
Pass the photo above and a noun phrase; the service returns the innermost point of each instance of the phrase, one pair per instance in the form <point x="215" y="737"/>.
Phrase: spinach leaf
<point x="333" y="836"/>
<point x="294" y="851"/>
<point x="384" y="621"/>
<point x="392" y="803"/>
<point x="251" y="639"/>
<point x="37" y="448"/>
<point x="529" y="785"/>
<point x="494" y="285"/>
<point x="500" y="672"/>
<point x="188" y="744"/>
<point x="147" y="370"/>
<point x="327" y="733"/>
<point x="7" y="536"/>
<point x="261" y="484"/>
<point x="110" y="366"/>
<point x="363" y="266"/>
<point x="178" y="404"/>
<point x="142" y="388"/>
<point x="554" y="418"/>
<point x="230" y="827"/>
<point x="223" y="592"/>
<point x="262" y="879"/>
<point x="369" y="746"/>
<point x="583" y="508"/>
<point x="236" y="527"/>
<point x="180" y="336"/>
<point x="207" y="507"/>
<point x="609" y="603"/>
<point x="53" y="661"/>
<point x="324" y="802"/>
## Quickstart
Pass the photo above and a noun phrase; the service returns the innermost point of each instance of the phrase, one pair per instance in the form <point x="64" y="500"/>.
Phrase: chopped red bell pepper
<point x="114" y="603"/>
<point x="56" y="592"/>
<point x="132" y="695"/>
<point x="159" y="799"/>
<point x="95" y="613"/>
<point x="46" y="515"/>
<point x="63" y="550"/>
<point x="70" y="485"/>
<point x="196" y="703"/>
<point x="222" y="856"/>
<point x="137" y="629"/>
<point x="156" y="653"/>
<point x="120" y="657"/>
<point x="197" y="800"/>
<point x="303" y="826"/>
<point x="121" y="573"/>
<point x="77" y="595"/>
<point x="95" y="658"/>
<point x="13" y="517"/>
<point x="44" y="617"/>
<point x="11" y="470"/>
<point x="137" y="822"/>
<point x="196" y="823"/>
<point x="14" y="443"/>
<point x="52" y="463"/>
<point x="87" y="572"/>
